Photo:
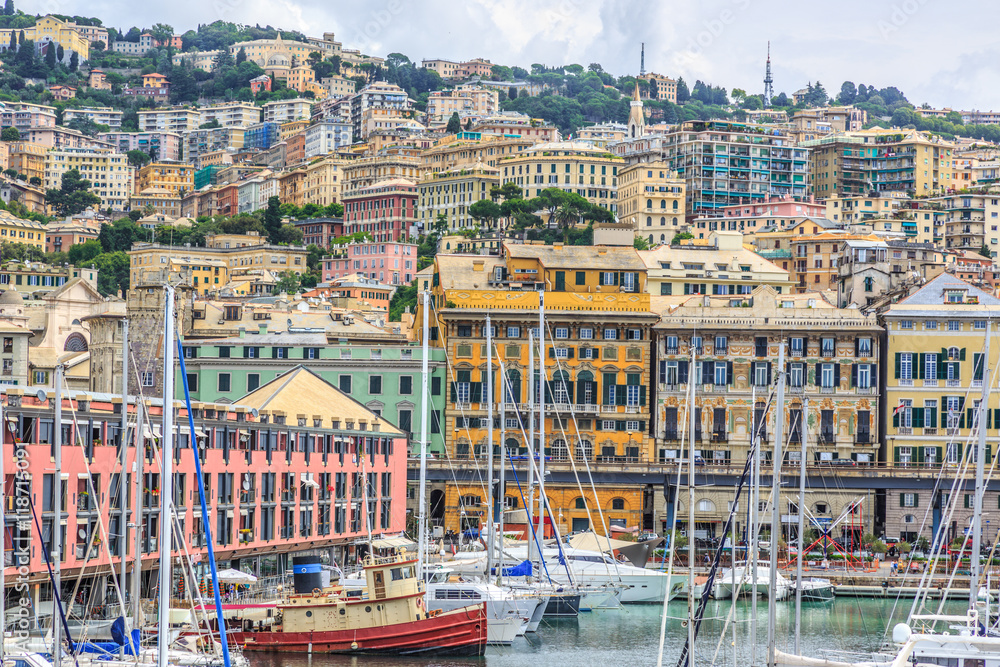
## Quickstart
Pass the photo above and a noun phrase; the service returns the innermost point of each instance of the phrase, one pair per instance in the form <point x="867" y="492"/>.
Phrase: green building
<point x="384" y="378"/>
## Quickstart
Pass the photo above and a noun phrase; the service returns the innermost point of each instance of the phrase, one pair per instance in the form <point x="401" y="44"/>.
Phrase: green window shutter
<point x="898" y="355"/>
<point x="895" y="424"/>
<point x="931" y="421"/>
<point x="620" y="392"/>
<point x="977" y="370"/>
<point x="895" y="459"/>
<point x="961" y="354"/>
<point x="921" y="358"/>
<point x="902" y="496"/>
<point x="918" y="417"/>
<point x="581" y="277"/>
<point x="642" y="394"/>
<point x="632" y="378"/>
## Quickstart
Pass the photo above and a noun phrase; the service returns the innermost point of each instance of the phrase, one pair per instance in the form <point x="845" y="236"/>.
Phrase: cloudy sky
<point x="932" y="50"/>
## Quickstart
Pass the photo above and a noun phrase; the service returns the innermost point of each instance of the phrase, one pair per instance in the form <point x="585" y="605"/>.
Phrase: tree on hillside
<point x="74" y="62"/>
<point x="848" y="93"/>
<point x="73" y="196"/>
<point x="114" y="272"/>
<point x="162" y="32"/>
<point x="287" y="283"/>
<point x="241" y="56"/>
<point x="8" y="8"/>
<point x="683" y="94"/>
<point x="454" y="124"/>
<point x="82" y="253"/>
<point x="138" y="158"/>
<point x="486" y="212"/>
<point x="272" y="219"/>
<point x="10" y="134"/>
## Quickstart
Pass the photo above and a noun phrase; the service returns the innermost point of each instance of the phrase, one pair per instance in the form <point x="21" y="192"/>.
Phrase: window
<point x="618" y="504"/>
<point x="864" y="376"/>
<point x="513" y="332"/>
<point x="721" y="375"/>
<point x="374" y="384"/>
<point x="797" y="346"/>
<point x="696" y="344"/>
<point x="406" y="384"/>
<point x="930" y="366"/>
<point x="796" y="375"/>
<point x="633" y="334"/>
<point x="931" y="325"/>
<point x="586" y="333"/>
<point x="225" y="381"/>
<point x="608" y="278"/>
<point x="253" y="381"/>
<point x="826" y="375"/>
<point x="561" y="353"/>
<point x="760" y="373"/>
<point x="827" y="347"/>
<point x="344" y="383"/>
<point x="906" y="324"/>
<point x="864" y="347"/>
<point x="562" y="332"/>
<point x="954" y="325"/>
<point x="979" y="324"/>
<point x="906" y="366"/>
<point x="907" y="500"/>
<point x="611" y="334"/>
<point x="148" y="379"/>
<point x="721" y="345"/>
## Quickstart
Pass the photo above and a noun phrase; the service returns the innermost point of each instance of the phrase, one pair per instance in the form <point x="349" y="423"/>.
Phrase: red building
<point x="320" y="231"/>
<point x="227" y="201"/>
<point x="386" y="210"/>
<point x="287" y="470"/>
<point x="259" y="83"/>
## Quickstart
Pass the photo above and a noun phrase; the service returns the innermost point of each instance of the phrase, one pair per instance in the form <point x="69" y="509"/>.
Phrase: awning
<point x="393" y="543"/>
<point x="637" y="552"/>
<point x="306" y="478"/>
<point x="154" y="433"/>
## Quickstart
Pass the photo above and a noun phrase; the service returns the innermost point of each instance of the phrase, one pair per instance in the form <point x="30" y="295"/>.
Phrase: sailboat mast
<point x="977" y="512"/>
<point x="123" y="445"/>
<point x="541" y="419"/>
<point x="529" y="504"/>
<point x="801" y="529"/>
<point x="503" y="459"/>
<point x="57" y="501"/>
<point x="690" y="525"/>
<point x="3" y="517"/>
<point x="140" y="455"/>
<point x="490" y="519"/>
<point x="166" y="481"/>
<point x="775" y="514"/>
<point x="424" y="413"/>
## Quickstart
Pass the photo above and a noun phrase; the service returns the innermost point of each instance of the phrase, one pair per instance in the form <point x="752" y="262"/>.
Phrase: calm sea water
<point x="629" y="637"/>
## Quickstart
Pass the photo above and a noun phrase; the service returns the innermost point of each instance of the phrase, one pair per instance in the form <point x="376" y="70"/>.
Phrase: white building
<point x="326" y="136"/>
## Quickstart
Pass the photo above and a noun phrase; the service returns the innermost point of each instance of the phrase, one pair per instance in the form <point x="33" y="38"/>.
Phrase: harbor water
<point x="629" y="637"/>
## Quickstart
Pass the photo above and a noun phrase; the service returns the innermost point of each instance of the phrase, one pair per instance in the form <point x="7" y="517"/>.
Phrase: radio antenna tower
<point x="768" y="80"/>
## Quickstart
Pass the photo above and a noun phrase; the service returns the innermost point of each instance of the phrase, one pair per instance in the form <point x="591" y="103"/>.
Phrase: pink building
<point x="61" y="137"/>
<point x="779" y="208"/>
<point x="24" y="115"/>
<point x="293" y="478"/>
<point x="387" y="210"/>
<point x="388" y="263"/>
<point x="166" y="145"/>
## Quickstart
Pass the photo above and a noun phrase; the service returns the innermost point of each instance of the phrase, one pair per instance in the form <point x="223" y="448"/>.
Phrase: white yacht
<point x="595" y="572"/>
<point x="741" y="581"/>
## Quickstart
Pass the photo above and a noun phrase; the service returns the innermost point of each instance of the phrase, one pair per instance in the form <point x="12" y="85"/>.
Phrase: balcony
<point x="796" y="389"/>
<point x="953" y="383"/>
<point x="827" y="438"/>
<point x="866" y="391"/>
<point x="905" y="383"/>
<point x="715" y="389"/>
<point x="930" y="431"/>
<point x="671" y="350"/>
<point x="930" y="383"/>
<point x="246" y="535"/>
<point x="828" y="390"/>
<point x="904" y="430"/>
<point x="863" y="438"/>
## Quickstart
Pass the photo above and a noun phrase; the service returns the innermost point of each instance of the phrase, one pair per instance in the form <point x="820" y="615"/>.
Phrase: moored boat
<point x="391" y="619"/>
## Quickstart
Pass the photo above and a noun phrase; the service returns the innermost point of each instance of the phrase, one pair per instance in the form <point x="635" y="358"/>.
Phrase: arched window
<point x="954" y="353"/>
<point x="663" y="203"/>
<point x="650" y="238"/>
<point x="75" y="342"/>
<point x="618" y="504"/>
<point x="649" y="203"/>
<point x="559" y="450"/>
<point x="586" y="389"/>
<point x="705" y="505"/>
<point x="580" y="504"/>
<point x="561" y="388"/>
<point x="675" y="222"/>
<point x="649" y="221"/>
<point x="909" y="518"/>
<point x="584" y="450"/>
<point x="663" y="221"/>
<point x="675" y="204"/>
<point x="513" y="447"/>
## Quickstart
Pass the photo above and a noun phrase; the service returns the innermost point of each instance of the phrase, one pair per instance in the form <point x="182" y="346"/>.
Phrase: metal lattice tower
<point x="642" y="61"/>
<point x="768" y="80"/>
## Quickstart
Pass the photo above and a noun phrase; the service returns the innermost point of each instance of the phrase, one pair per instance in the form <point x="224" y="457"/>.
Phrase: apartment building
<point x="468" y="149"/>
<point x="651" y="199"/>
<point x="450" y="69"/>
<point x="467" y="101"/>
<point x="390" y="163"/>
<point x="935" y="343"/>
<point x="100" y="115"/>
<point x="387" y="210"/>
<point x="389" y="263"/>
<point x="597" y="368"/>
<point x="518" y="125"/>
<point x="871" y="268"/>
<point x="323" y="181"/>
<point x="51" y="29"/>
<point x="108" y="171"/>
<point x="175" y="119"/>
<point x="660" y="88"/>
<point x="210" y="140"/>
<point x="27" y="158"/>
<point x="338" y="86"/>
<point x="326" y="136"/>
<point x="320" y="231"/>
<point x="572" y="166"/>
<point x="19" y="230"/>
<point x="173" y="177"/>
<point x="452" y="192"/>
<point x="24" y="115"/>
<point x="161" y="145"/>
<point x="730" y="353"/>
<point x="722" y="266"/>
<point x="969" y="220"/>
<point x="230" y="114"/>
<point x="880" y="160"/>
<point x="386" y="97"/>
<point x="284" y="111"/>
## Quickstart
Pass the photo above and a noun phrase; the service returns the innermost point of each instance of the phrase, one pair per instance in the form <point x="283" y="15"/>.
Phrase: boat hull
<point x="460" y="632"/>
<point x="563" y="604"/>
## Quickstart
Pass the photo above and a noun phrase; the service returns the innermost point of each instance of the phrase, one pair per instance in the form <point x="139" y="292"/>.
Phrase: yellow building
<point x="572" y="166"/>
<point x="467" y="149"/>
<point x="934" y="382"/>
<point x="323" y="181"/>
<point x="660" y="88"/>
<point x="27" y="158"/>
<point x="276" y="56"/>
<point x="302" y="78"/>
<point x="452" y="192"/>
<point x="51" y="29"/>
<point x="208" y="269"/>
<point x="597" y="356"/>
<point x="17" y="230"/>
<point x="108" y="171"/>
<point x="388" y="164"/>
<point x="651" y="199"/>
<point x="171" y="177"/>
<point x="467" y="101"/>
<point x="292" y="127"/>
